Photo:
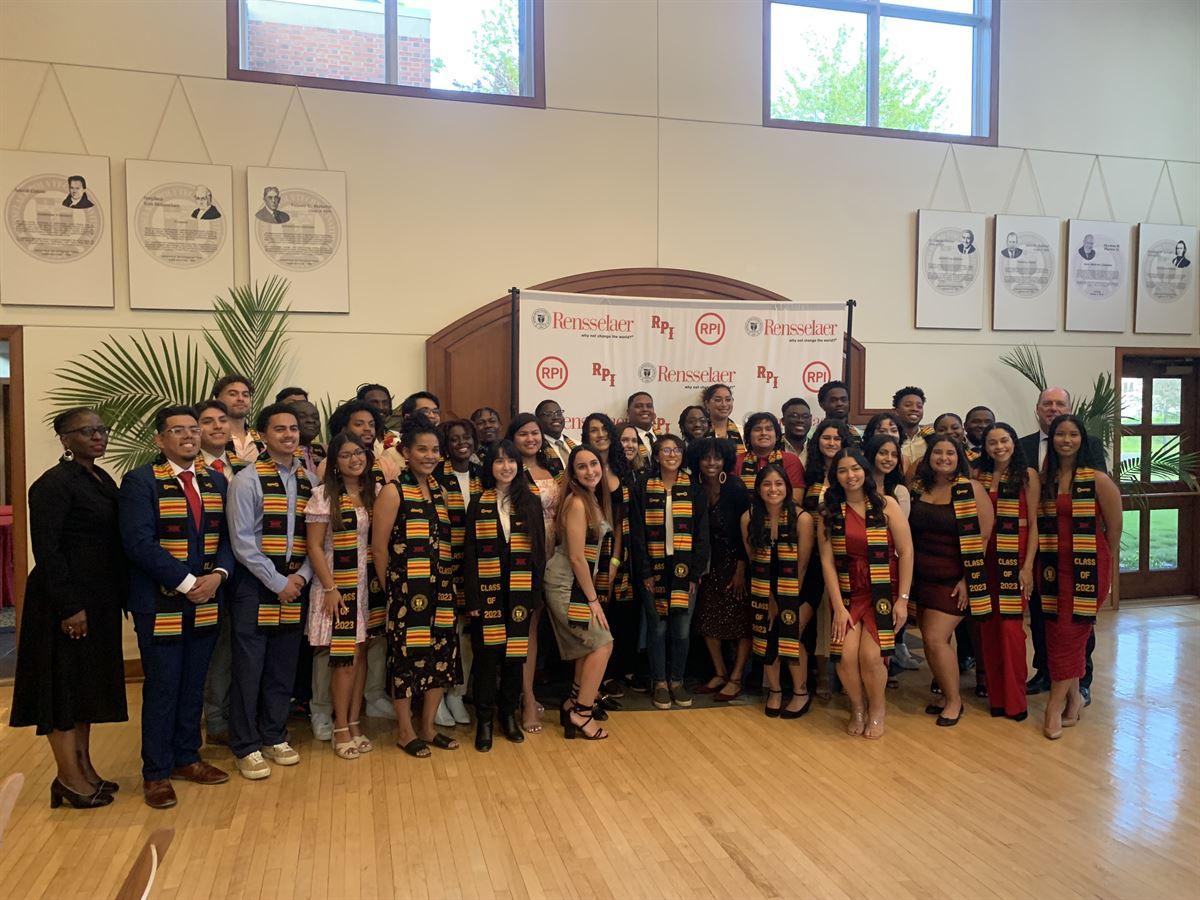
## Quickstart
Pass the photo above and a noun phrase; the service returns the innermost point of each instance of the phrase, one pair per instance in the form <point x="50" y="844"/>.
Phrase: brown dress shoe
<point x="159" y="794"/>
<point x="200" y="773"/>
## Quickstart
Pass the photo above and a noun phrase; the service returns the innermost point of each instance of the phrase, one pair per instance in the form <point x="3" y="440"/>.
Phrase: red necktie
<point x="193" y="499"/>
<point x="219" y="466"/>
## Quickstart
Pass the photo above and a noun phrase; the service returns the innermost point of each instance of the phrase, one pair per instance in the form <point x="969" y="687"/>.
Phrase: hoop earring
<point x="68" y="455"/>
<point x="721" y="478"/>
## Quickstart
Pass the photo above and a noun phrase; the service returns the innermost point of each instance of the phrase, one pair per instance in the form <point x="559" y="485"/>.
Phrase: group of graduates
<point x="382" y="573"/>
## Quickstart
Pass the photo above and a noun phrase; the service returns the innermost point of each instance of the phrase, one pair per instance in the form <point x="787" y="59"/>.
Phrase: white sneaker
<point x="322" y="726"/>
<point x="444" y="717"/>
<point x="454" y="703"/>
<point x="253" y="766"/>
<point x="381" y="708"/>
<point x="905" y="658"/>
<point x="282" y="754"/>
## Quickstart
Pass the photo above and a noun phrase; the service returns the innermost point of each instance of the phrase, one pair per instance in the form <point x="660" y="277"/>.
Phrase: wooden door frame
<point x="1121" y="353"/>
<point x="16" y="454"/>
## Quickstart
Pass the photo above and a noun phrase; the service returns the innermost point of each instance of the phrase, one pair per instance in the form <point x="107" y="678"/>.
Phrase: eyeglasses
<point x="89" y="431"/>
<point x="353" y="454"/>
<point x="181" y="430"/>
<point x="670" y="451"/>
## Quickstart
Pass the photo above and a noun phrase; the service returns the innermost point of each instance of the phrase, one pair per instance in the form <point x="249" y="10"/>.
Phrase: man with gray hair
<point x="270" y="211"/>
<point x="204" y="205"/>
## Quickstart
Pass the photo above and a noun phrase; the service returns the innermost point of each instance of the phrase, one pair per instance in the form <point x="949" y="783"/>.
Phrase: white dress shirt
<point x="210" y="458"/>
<point x="560" y="448"/>
<point x="189" y="580"/>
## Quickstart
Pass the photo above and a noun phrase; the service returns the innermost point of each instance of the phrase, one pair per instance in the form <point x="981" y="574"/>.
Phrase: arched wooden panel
<point x="468" y="364"/>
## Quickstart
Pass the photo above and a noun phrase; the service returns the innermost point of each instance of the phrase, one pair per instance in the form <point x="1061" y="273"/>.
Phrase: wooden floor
<point x="695" y="803"/>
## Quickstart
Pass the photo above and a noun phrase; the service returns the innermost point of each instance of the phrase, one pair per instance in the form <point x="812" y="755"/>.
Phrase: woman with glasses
<point x="70" y="672"/>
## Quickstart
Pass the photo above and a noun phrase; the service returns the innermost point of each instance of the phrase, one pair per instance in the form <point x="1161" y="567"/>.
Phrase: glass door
<point x="1158" y="418"/>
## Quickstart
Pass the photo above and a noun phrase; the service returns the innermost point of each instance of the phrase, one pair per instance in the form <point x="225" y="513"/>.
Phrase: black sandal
<point x="796" y="714"/>
<point x="444" y="743"/>
<point x="416" y="748"/>
<point x="572" y="731"/>
<point x="778" y="711"/>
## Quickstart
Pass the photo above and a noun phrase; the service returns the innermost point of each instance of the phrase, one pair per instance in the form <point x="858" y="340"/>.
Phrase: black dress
<point x="79" y="565"/>
<point x="719" y="614"/>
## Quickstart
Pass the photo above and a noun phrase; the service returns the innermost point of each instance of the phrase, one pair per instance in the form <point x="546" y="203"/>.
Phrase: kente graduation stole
<point x="622" y="588"/>
<point x="731" y="434"/>
<point x="579" y="613"/>
<point x="1008" y="604"/>
<point x="456" y="506"/>
<point x="970" y="547"/>
<point x="231" y="450"/>
<point x="427" y="588"/>
<point x="556" y="470"/>
<point x="750" y="464"/>
<point x="670" y="587"/>
<point x="1083" y="549"/>
<point x="173" y="515"/>
<point x="345" y="579"/>
<point x="786" y="588"/>
<point x="506" y="602"/>
<point x="973" y="455"/>
<point x="879" y="558"/>
<point x="275" y="521"/>
<point x="377" y="475"/>
<point x="812" y="495"/>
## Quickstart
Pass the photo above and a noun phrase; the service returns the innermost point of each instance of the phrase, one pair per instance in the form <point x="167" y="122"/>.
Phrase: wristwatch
<point x="904" y="597"/>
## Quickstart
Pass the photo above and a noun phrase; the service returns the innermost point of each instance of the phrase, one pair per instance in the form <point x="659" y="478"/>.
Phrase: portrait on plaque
<point x="950" y="279"/>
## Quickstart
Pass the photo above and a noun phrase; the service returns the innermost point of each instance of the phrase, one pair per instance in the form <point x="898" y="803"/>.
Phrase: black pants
<point x="1037" y="630"/>
<point x="625" y="624"/>
<point x="491" y="665"/>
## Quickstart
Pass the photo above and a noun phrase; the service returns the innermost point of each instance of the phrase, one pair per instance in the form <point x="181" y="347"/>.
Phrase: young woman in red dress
<point x="1079" y="526"/>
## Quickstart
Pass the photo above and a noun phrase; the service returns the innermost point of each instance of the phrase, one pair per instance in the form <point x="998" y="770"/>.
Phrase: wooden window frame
<point x="985" y="59"/>
<point x="535" y="60"/>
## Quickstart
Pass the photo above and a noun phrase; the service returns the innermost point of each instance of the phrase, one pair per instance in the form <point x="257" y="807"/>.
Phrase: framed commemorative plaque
<point x="296" y="220"/>
<point x="1028" y="287"/>
<point x="1099" y="280"/>
<point x="180" y="221"/>
<point x="1167" y="287"/>
<point x="950" y="269"/>
<point x="56" y="240"/>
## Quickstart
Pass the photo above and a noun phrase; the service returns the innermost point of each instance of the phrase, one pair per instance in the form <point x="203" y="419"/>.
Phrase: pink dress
<point x="548" y="494"/>
<point x="320" y="624"/>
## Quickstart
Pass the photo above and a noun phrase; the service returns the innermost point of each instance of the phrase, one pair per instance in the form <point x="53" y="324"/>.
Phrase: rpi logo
<point x="815" y="374"/>
<point x="605" y="374"/>
<point x="662" y="326"/>
<point x="551" y="373"/>
<point x="710" y="328"/>
<point x="541" y="318"/>
<point x="646" y="372"/>
<point x="765" y="374"/>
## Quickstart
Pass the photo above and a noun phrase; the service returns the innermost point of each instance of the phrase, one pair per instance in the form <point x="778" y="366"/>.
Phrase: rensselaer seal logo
<point x="646" y="372"/>
<point x="520" y="613"/>
<point x="41" y="224"/>
<point x="167" y="230"/>
<point x="754" y="326"/>
<point x="541" y="318"/>
<point x="680" y="570"/>
<point x="883" y="607"/>
<point x="1049" y="573"/>
<point x="308" y="239"/>
<point x="419" y="603"/>
<point x="788" y="617"/>
<point x="374" y="585"/>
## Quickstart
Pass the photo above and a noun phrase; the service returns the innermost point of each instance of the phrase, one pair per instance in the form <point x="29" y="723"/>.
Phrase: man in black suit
<point x="1011" y="250"/>
<point x="1181" y="261"/>
<point x="172" y="520"/>
<point x="1087" y="251"/>
<point x="204" y="205"/>
<point x="270" y="211"/>
<point x="77" y="197"/>
<point x="1052" y="403"/>
<point x="968" y="242"/>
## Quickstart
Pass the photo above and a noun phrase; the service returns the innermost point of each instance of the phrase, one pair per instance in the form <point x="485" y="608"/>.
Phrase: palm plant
<point x="1099" y="414"/>
<point x="126" y="379"/>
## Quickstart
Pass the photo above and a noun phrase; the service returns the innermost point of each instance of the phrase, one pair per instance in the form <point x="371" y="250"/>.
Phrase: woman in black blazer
<point x="70" y="670"/>
<point x="503" y="559"/>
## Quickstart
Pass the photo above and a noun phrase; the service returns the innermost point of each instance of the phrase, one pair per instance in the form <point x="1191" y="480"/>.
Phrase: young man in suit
<point x="172" y="520"/>
<point x="1052" y="403"/>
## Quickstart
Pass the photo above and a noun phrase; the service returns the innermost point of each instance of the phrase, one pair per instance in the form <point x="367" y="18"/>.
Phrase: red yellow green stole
<point x="345" y="578"/>
<point x="506" y="603"/>
<point x="786" y="588"/>
<point x="377" y="475"/>
<point x="731" y="434"/>
<point x="456" y="506"/>
<point x="879" y="558"/>
<point x="973" y="455"/>
<point x="671" y="588"/>
<point x="275" y="522"/>
<point x="1085" y="587"/>
<point x="1008" y="603"/>
<point x="622" y="588"/>
<point x="428" y="561"/>
<point x="232" y="454"/>
<point x="970" y="547"/>
<point x="750" y="464"/>
<point x="173" y="516"/>
<point x="812" y="496"/>
<point x="579" y="613"/>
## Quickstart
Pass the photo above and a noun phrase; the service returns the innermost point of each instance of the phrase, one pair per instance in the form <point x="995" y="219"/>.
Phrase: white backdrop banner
<point x="590" y="352"/>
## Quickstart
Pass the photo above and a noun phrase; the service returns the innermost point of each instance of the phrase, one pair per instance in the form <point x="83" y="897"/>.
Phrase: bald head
<point x="1052" y="403"/>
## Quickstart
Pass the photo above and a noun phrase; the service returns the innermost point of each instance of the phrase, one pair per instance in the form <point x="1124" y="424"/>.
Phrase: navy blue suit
<point x="173" y="692"/>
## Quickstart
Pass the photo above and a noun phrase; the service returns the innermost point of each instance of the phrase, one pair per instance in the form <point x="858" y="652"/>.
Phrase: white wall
<point x="649" y="153"/>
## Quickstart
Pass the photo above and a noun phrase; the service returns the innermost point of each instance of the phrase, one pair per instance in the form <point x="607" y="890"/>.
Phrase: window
<point x="482" y="50"/>
<point x="908" y="68"/>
